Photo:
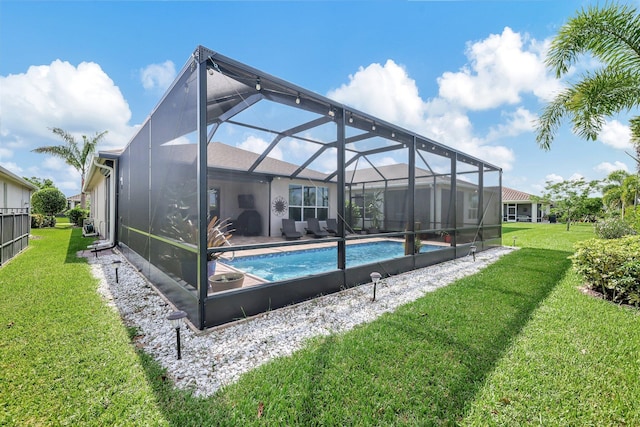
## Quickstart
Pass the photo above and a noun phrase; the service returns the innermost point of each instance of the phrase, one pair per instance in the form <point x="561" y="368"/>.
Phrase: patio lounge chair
<point x="332" y="226"/>
<point x="289" y="229"/>
<point x="313" y="227"/>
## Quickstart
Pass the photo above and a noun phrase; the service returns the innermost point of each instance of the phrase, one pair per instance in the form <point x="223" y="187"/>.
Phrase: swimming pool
<point x="288" y="265"/>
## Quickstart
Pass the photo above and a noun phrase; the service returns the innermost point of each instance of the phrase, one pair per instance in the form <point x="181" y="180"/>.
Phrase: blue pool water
<point x="287" y="265"/>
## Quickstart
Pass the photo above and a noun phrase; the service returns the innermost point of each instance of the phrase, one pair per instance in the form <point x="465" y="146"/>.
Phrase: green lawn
<point x="65" y="358"/>
<point x="517" y="343"/>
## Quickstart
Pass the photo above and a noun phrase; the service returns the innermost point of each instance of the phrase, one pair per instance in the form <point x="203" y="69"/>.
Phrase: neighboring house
<point x="15" y="222"/>
<point x="517" y="206"/>
<point x="74" y="201"/>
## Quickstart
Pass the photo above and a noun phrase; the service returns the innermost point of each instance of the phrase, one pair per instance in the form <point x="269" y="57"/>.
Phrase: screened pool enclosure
<point x="273" y="161"/>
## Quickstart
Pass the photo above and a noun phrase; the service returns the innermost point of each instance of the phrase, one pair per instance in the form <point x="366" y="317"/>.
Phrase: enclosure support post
<point x="340" y="160"/>
<point x="203" y="200"/>
<point x="411" y="226"/>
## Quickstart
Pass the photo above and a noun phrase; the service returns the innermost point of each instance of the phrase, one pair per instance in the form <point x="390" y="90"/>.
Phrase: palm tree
<point x="72" y="154"/>
<point x="611" y="35"/>
<point x="612" y="194"/>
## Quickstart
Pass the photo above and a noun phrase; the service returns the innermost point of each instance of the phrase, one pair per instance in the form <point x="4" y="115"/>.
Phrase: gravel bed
<point x="215" y="358"/>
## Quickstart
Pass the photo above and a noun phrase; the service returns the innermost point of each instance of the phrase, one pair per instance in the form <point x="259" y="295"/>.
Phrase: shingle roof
<point x="223" y="156"/>
<point x="511" y="195"/>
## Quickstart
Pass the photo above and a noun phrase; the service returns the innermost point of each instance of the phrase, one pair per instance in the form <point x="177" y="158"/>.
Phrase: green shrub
<point x="611" y="267"/>
<point x="613" y="228"/>
<point x="77" y="214"/>
<point x="48" y="201"/>
<point x="37" y="220"/>
<point x="42" y="221"/>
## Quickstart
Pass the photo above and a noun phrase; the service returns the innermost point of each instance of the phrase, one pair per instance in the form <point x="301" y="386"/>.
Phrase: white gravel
<point x="215" y="358"/>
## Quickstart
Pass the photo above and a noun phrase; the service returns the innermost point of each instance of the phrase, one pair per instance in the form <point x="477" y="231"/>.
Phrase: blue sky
<point x="469" y="74"/>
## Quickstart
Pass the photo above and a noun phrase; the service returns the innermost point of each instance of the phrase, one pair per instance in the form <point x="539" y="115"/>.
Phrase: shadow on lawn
<point x="421" y="365"/>
<point x="466" y="329"/>
<point x="76" y="244"/>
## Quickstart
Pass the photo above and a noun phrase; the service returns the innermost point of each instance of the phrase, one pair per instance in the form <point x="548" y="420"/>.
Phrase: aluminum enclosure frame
<point x="213" y="91"/>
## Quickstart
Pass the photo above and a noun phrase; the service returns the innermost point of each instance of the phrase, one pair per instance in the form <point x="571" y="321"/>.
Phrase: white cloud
<point x="384" y="91"/>
<point x="553" y="178"/>
<point x="616" y="135"/>
<point x="81" y="99"/>
<point x="389" y="93"/>
<point x="158" y="76"/>
<point x="518" y="122"/>
<point x="576" y="177"/>
<point x="258" y="145"/>
<point x="501" y="67"/>
<point x="606" y="167"/>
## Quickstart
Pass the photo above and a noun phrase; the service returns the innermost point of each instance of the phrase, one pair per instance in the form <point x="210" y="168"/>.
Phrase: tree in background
<point x="621" y="193"/>
<point x="612" y="197"/>
<point x="39" y="182"/>
<point x="571" y="199"/>
<point x="611" y="35"/>
<point x="48" y="201"/>
<point x="74" y="155"/>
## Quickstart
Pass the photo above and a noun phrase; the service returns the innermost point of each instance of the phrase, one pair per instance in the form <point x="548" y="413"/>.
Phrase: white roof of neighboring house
<point x="16" y="179"/>
<point x="77" y="198"/>
<point x="511" y="195"/>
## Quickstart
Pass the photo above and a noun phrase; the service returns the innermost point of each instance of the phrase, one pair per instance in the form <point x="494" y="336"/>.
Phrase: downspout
<point x="112" y="210"/>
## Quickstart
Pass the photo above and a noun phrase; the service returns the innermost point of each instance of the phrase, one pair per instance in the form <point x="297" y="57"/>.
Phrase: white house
<point x="15" y="222"/>
<point x="518" y="206"/>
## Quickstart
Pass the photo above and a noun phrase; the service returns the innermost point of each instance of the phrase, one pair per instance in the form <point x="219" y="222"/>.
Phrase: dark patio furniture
<point x="332" y="226"/>
<point x="289" y="229"/>
<point x="313" y="227"/>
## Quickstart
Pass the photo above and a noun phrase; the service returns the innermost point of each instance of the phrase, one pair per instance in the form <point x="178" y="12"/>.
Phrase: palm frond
<point x="549" y="121"/>
<point x="610" y="33"/>
<point x="63" y="152"/>
<point x="588" y="103"/>
<point x="634" y="126"/>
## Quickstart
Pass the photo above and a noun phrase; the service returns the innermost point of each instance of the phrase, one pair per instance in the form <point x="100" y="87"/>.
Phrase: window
<point x="472" y="211"/>
<point x="308" y="202"/>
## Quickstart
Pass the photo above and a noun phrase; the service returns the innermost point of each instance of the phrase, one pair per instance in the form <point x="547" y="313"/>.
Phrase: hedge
<point x="611" y="266"/>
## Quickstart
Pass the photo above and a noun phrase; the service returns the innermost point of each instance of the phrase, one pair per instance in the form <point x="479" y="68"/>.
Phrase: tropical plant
<point x="74" y="155"/>
<point x="218" y="234"/>
<point x="611" y="35"/>
<point x="621" y="192"/>
<point x="353" y="215"/>
<point x="612" y="196"/>
<point x="373" y="204"/>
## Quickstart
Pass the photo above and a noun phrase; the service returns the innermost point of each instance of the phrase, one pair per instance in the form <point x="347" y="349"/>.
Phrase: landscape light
<point x="375" y="277"/>
<point x="472" y="249"/>
<point x="116" y="265"/>
<point x="177" y="318"/>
